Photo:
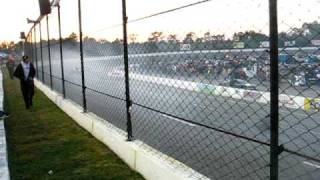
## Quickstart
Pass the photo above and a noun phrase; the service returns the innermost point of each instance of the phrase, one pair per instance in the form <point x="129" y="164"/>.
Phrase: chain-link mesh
<point x="45" y="52"/>
<point x="193" y="86"/>
<point x="71" y="50"/>
<point x="55" y="51"/>
<point x="103" y="62"/>
<point x="39" y="51"/>
<point x="199" y="79"/>
<point x="299" y="73"/>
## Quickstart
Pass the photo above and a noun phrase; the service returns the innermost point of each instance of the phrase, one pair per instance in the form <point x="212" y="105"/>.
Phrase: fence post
<point x="41" y="56"/>
<point x="84" y="103"/>
<point x="126" y="69"/>
<point x="35" y="49"/>
<point x="49" y="53"/>
<point x="274" y="91"/>
<point x="61" y="54"/>
<point x="30" y="47"/>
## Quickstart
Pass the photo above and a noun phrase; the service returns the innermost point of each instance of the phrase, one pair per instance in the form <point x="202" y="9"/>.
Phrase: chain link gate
<point x="199" y="88"/>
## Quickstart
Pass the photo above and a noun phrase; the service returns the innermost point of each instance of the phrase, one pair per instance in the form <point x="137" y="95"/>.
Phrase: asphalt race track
<point x="212" y="153"/>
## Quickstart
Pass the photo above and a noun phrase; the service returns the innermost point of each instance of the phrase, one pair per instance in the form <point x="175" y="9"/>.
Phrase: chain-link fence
<point x="229" y="88"/>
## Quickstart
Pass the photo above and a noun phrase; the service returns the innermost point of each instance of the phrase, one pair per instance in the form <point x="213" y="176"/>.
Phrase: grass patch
<point x="45" y="138"/>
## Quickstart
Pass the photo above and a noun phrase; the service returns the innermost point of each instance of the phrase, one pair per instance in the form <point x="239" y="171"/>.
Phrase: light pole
<point x="41" y="54"/>
<point x="57" y="4"/>
<point x="84" y="100"/>
<point x="23" y="39"/>
<point x="49" y="51"/>
<point x="35" y="43"/>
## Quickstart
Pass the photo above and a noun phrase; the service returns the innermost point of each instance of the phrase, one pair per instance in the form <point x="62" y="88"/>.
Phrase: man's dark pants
<point x="27" y="88"/>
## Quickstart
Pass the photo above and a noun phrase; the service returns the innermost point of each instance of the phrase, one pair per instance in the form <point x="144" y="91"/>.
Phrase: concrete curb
<point x="142" y="158"/>
<point x="4" y="170"/>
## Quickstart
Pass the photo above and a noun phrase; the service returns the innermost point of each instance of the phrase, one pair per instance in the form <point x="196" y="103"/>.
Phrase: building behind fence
<point x="235" y="99"/>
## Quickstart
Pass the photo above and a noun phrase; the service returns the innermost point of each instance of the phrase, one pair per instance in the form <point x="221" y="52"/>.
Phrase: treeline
<point x="10" y="46"/>
<point x="159" y="42"/>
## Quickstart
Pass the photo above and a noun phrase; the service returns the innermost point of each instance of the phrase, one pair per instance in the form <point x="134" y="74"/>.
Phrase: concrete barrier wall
<point x="142" y="158"/>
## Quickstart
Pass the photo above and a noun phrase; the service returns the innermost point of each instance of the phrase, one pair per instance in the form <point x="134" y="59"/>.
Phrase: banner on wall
<point x="312" y="104"/>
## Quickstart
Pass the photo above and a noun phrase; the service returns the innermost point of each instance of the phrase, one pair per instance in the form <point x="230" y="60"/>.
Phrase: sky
<point x="101" y="16"/>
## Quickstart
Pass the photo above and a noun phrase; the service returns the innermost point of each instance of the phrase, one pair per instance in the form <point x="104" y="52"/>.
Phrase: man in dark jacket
<point x="25" y="71"/>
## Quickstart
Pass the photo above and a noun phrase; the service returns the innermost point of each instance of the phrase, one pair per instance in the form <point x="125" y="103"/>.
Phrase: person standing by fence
<point x="25" y="71"/>
<point x="10" y="65"/>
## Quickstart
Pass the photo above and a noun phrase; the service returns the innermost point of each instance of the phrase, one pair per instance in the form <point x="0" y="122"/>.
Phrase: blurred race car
<point x="239" y="83"/>
<point x="298" y="80"/>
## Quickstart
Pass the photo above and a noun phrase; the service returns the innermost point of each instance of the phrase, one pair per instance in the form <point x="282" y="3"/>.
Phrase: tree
<point x="73" y="37"/>
<point x="237" y="36"/>
<point x="311" y="30"/>
<point x="103" y="41"/>
<point x="199" y="40"/>
<point x="207" y="36"/>
<point x="218" y="37"/>
<point x="172" y="38"/>
<point x="3" y="45"/>
<point x="9" y="46"/>
<point x="294" y="32"/>
<point x="156" y="36"/>
<point x="190" y="37"/>
<point x="282" y="38"/>
<point x="303" y="35"/>
<point x="251" y="38"/>
<point x="117" y="41"/>
<point x="133" y="38"/>
<point x="87" y="39"/>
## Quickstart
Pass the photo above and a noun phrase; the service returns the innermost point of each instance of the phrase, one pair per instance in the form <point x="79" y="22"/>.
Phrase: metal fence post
<point x="29" y="45"/>
<point x="31" y="51"/>
<point x="84" y="103"/>
<point x="35" y="49"/>
<point x="61" y="54"/>
<point x="49" y="53"/>
<point x="126" y="68"/>
<point x="41" y="55"/>
<point x="274" y="91"/>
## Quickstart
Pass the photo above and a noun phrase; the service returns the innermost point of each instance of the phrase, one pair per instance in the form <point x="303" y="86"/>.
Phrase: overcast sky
<point x="216" y="16"/>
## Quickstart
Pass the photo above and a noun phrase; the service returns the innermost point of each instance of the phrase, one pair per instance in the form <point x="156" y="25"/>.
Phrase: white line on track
<point x="311" y="164"/>
<point x="189" y="124"/>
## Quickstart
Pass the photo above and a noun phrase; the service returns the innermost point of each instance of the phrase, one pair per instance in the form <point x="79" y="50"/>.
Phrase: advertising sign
<point x="238" y="45"/>
<point x="289" y="43"/>
<point x="264" y="44"/>
<point x="315" y="42"/>
<point x="185" y="47"/>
